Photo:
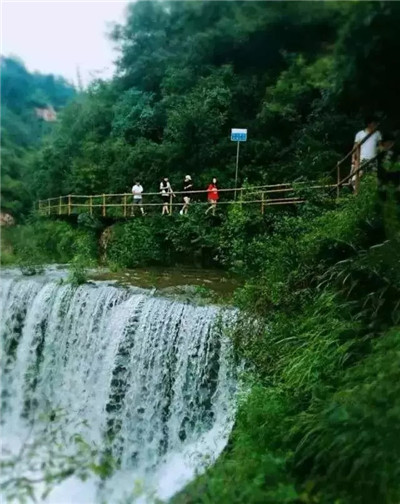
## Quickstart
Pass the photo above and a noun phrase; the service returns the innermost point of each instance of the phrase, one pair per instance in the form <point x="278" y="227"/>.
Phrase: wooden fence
<point x="121" y="205"/>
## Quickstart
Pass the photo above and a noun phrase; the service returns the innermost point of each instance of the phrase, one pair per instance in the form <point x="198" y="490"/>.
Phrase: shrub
<point x="133" y="244"/>
<point x="43" y="241"/>
<point x="300" y="249"/>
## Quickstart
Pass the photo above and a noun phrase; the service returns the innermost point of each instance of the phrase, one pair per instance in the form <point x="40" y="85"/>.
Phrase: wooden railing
<point x="121" y="205"/>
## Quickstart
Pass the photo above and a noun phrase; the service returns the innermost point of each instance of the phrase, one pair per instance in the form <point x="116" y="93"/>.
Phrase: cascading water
<point x="151" y="377"/>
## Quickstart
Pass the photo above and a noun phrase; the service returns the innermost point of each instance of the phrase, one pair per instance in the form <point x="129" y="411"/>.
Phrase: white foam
<point x="152" y="375"/>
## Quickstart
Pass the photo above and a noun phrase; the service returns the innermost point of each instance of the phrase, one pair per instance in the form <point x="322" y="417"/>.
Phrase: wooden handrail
<point x="264" y="203"/>
<point x="197" y="191"/>
<point x="358" y="170"/>
<point x="268" y="189"/>
<point x="262" y="190"/>
<point x="255" y="195"/>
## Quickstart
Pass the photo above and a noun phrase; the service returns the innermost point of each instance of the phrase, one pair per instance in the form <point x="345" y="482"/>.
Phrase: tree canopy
<point x="299" y="75"/>
<point x="21" y="130"/>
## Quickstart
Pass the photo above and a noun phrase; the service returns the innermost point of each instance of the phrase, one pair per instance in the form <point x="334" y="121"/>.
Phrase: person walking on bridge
<point x="137" y="191"/>
<point x="212" y="196"/>
<point x="187" y="193"/>
<point x="166" y="194"/>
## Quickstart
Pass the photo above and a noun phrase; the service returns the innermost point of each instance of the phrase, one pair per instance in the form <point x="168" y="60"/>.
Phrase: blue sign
<point x="238" y="135"/>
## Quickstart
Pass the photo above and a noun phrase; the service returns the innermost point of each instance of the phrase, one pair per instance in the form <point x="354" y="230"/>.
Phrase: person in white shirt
<point x="137" y="191"/>
<point x="368" y="150"/>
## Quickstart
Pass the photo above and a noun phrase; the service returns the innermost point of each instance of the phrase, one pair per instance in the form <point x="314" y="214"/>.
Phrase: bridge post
<point x="104" y="206"/>
<point x="91" y="205"/>
<point x="59" y="205"/>
<point x="69" y="204"/>
<point x="357" y="183"/>
<point x="125" y="209"/>
<point x="357" y="167"/>
<point x="262" y="202"/>
<point x="170" y="204"/>
<point x="237" y="166"/>
<point x="338" y="180"/>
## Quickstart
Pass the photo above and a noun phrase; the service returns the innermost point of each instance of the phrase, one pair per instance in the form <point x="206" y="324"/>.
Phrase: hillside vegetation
<point x="319" y="325"/>
<point x="21" y="130"/>
<point x="300" y="76"/>
<point x="320" y="334"/>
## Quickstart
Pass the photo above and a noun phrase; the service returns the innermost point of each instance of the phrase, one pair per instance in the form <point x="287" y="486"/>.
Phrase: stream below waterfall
<point x="146" y="382"/>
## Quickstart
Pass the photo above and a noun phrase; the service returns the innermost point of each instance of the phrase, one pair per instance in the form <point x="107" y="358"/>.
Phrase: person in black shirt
<point x="187" y="194"/>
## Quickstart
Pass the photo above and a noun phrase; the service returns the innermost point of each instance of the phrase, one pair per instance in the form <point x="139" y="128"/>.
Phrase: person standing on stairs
<point x="368" y="150"/>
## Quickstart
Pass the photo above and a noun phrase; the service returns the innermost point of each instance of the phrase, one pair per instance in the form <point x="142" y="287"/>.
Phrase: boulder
<point x="6" y="219"/>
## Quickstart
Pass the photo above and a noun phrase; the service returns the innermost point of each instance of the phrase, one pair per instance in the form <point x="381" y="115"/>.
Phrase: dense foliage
<point x="21" y="129"/>
<point x="321" y="295"/>
<point x="300" y="76"/>
<point x="40" y="242"/>
<point x="320" y="333"/>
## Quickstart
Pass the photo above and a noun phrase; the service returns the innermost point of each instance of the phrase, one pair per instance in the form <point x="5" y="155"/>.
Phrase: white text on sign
<point x="238" y="134"/>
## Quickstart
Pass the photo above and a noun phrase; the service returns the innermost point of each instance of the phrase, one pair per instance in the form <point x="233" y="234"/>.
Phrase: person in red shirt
<point x="212" y="196"/>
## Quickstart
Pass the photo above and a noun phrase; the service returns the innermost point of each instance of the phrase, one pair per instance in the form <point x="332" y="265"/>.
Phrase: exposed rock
<point x="6" y="219"/>
<point x="104" y="241"/>
<point x="48" y="114"/>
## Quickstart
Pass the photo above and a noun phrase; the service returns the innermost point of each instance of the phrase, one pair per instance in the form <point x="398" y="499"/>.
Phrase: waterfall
<point x="150" y="377"/>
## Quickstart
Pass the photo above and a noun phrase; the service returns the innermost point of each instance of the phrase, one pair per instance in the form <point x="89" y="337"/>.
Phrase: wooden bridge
<point x="121" y="205"/>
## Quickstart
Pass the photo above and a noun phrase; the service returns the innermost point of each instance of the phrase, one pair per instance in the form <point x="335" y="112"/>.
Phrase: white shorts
<point x="186" y="200"/>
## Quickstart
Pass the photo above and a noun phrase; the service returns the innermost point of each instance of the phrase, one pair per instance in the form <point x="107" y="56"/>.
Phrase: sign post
<point x="238" y="135"/>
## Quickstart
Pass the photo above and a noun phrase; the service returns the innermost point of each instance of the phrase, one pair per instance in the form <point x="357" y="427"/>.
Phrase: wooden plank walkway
<point x="120" y="205"/>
